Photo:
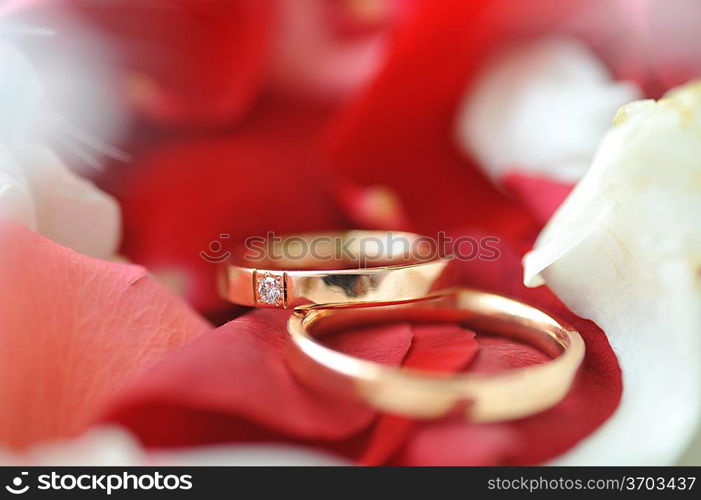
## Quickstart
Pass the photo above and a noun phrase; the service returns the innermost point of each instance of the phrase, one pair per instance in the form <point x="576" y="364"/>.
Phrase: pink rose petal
<point x="74" y="330"/>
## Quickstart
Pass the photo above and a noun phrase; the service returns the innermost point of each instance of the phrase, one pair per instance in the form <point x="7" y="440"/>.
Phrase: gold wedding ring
<point x="421" y="394"/>
<point x="343" y="267"/>
<point x="335" y="281"/>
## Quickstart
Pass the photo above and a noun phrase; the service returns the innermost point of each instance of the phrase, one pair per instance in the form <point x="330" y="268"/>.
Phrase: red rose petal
<point x="435" y="347"/>
<point x="186" y="62"/>
<point x="441" y="347"/>
<point x="74" y="331"/>
<point x="498" y="354"/>
<point x="531" y="440"/>
<point x="388" y="435"/>
<point x="453" y="442"/>
<point x="238" y="373"/>
<point x="541" y="195"/>
<point x="201" y="197"/>
<point x="593" y="397"/>
<point x="386" y="345"/>
<point x="399" y="133"/>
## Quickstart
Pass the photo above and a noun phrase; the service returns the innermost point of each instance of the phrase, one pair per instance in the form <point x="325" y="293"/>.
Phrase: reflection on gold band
<point x="420" y="394"/>
<point x="386" y="275"/>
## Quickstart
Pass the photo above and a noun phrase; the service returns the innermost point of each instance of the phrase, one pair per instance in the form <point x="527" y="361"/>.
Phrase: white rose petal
<point x="20" y="93"/>
<point x="248" y="455"/>
<point x="101" y="446"/>
<point x="115" y="446"/>
<point x="36" y="188"/>
<point x="16" y="201"/>
<point x="38" y="191"/>
<point x="624" y="250"/>
<point x="541" y="108"/>
<point x="71" y="210"/>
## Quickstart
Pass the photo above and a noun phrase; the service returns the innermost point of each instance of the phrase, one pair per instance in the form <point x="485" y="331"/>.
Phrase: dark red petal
<point x="386" y="345"/>
<point x="201" y="197"/>
<point x="237" y="374"/>
<point x="400" y="132"/>
<point x="435" y="347"/>
<point x="388" y="435"/>
<point x="441" y="347"/>
<point x="531" y="440"/>
<point x="188" y="62"/>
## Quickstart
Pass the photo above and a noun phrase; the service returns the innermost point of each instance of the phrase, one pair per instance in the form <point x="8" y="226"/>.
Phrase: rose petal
<point x="441" y="348"/>
<point x="100" y="446"/>
<point x="188" y="63"/>
<point x="74" y="330"/>
<point x="399" y="134"/>
<point x="372" y="207"/>
<point x="542" y="436"/>
<point x="246" y="455"/>
<point x="529" y="440"/>
<point x="540" y="194"/>
<point x="36" y="189"/>
<point x="16" y="201"/>
<point x="457" y="444"/>
<point x="386" y="345"/>
<point x="20" y="92"/>
<point x="238" y="372"/>
<point x="39" y="192"/>
<point x="314" y="55"/>
<point x="10" y="6"/>
<point x="543" y="107"/>
<point x="183" y="199"/>
<point x="71" y="83"/>
<point x="624" y="251"/>
<point x="661" y="49"/>
<point x="400" y="131"/>
<point x="69" y="209"/>
<point x="112" y="446"/>
<point x="435" y="347"/>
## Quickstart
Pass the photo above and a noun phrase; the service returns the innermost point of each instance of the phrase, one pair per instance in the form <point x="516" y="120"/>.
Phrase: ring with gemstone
<point x="333" y="267"/>
<point x="479" y="397"/>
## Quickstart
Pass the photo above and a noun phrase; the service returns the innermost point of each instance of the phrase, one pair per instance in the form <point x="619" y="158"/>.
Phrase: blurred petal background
<point x="154" y="131"/>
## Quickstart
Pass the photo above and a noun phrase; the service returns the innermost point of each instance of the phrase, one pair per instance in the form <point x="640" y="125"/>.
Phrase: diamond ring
<point x="330" y="268"/>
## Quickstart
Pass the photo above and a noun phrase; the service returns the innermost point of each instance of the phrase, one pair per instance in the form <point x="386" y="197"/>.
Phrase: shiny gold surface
<point x="311" y="281"/>
<point x="420" y="394"/>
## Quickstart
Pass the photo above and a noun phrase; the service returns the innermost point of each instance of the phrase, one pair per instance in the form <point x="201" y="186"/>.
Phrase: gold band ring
<point x="421" y="394"/>
<point x="344" y="267"/>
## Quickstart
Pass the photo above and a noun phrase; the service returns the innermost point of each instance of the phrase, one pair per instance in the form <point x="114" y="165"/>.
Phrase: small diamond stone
<point x="270" y="289"/>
